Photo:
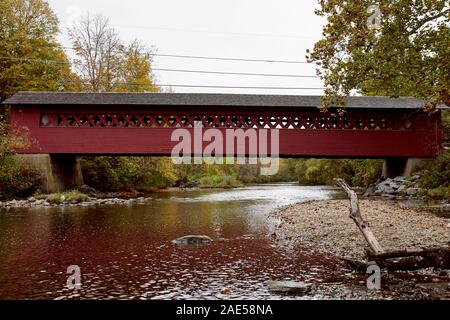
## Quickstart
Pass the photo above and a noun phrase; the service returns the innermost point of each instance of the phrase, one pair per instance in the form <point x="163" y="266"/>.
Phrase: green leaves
<point x="407" y="56"/>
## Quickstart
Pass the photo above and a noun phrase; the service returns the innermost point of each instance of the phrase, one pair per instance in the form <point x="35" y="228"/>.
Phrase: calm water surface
<point x="126" y="251"/>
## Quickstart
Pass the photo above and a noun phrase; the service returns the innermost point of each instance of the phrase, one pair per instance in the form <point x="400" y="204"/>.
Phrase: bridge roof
<point x="202" y="99"/>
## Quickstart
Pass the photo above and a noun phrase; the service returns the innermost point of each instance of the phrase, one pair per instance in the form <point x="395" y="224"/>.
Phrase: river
<point x="125" y="251"/>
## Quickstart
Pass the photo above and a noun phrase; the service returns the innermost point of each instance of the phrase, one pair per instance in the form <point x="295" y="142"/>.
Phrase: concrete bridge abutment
<point x="58" y="172"/>
<point x="394" y="167"/>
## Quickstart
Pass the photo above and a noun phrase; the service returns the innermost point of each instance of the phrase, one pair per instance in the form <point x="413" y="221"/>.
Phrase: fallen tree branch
<point x="404" y="259"/>
<point x="414" y="258"/>
<point x="411" y="252"/>
<point x="355" y="215"/>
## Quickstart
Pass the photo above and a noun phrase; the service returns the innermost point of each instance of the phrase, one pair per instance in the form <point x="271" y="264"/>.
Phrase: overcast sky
<point x="254" y="29"/>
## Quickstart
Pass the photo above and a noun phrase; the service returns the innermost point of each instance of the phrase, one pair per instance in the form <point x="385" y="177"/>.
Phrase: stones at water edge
<point x="384" y="189"/>
<point x="289" y="287"/>
<point x="34" y="203"/>
<point x="87" y="190"/>
<point x="401" y="189"/>
<point x="395" y="188"/>
<point x="192" y="240"/>
<point x="412" y="191"/>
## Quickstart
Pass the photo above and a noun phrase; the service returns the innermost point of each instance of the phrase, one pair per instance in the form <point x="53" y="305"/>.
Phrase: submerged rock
<point x="289" y="287"/>
<point x="192" y="240"/>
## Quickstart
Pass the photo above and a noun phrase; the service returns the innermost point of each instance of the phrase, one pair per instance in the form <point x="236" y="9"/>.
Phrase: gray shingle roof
<point x="201" y="99"/>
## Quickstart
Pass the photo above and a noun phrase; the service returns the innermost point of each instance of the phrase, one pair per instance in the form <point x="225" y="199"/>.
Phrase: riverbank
<point x="405" y="188"/>
<point x="327" y="226"/>
<point x="33" y="202"/>
<point x="87" y="196"/>
<point x="91" y="198"/>
<point x="127" y="250"/>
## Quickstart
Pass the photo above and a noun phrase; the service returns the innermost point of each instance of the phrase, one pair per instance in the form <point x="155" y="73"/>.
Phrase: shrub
<point x="75" y="196"/>
<point x="17" y="179"/>
<point x="322" y="171"/>
<point x="128" y="173"/>
<point x="225" y="182"/>
<point x="436" y="173"/>
<point x="439" y="193"/>
<point x="366" y="172"/>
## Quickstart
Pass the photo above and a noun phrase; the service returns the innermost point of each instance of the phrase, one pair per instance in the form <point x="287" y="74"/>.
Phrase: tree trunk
<point x="355" y="215"/>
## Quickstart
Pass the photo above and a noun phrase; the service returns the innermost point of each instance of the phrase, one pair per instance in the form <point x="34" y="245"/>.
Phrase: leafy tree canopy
<point x="387" y="47"/>
<point x="30" y="56"/>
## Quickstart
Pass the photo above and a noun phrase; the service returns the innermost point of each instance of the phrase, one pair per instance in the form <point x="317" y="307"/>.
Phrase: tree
<point x="105" y="63"/>
<point x="30" y="56"/>
<point x="135" y="69"/>
<point x="97" y="47"/>
<point x="405" y="53"/>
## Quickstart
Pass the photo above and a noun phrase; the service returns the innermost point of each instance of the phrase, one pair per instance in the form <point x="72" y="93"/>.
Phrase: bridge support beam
<point x="58" y="172"/>
<point x="394" y="167"/>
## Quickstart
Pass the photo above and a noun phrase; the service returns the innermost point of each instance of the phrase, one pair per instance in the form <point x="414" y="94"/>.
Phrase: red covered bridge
<point x="65" y="125"/>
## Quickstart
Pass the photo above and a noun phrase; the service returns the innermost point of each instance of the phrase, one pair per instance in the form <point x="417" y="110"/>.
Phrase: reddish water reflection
<point x="126" y="252"/>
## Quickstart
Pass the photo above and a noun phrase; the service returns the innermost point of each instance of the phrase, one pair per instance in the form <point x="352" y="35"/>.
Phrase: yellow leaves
<point x="32" y="58"/>
<point x="105" y="63"/>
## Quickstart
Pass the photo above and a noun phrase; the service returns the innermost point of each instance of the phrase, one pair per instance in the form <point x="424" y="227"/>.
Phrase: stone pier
<point x="58" y="172"/>
<point x="394" y="167"/>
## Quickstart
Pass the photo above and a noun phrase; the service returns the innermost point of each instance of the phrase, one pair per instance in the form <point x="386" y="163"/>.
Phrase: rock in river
<point x="289" y="287"/>
<point x="192" y="240"/>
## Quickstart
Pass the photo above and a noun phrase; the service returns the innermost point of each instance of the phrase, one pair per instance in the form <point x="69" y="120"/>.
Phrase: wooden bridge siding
<point x="424" y="141"/>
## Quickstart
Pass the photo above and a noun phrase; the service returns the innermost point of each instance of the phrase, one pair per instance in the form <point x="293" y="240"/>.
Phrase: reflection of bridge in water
<point x="66" y="125"/>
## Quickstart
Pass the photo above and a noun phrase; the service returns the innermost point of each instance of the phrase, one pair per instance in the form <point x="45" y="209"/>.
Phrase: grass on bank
<point x="73" y="196"/>
<point x="435" y="177"/>
<point x="437" y="193"/>
<point x="222" y="182"/>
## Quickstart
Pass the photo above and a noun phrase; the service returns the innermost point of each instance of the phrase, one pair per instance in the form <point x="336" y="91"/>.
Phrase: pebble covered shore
<point x="327" y="224"/>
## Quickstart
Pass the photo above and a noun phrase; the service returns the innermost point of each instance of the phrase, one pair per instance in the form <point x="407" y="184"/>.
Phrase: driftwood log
<point x="403" y="259"/>
<point x="355" y="215"/>
<point x="415" y="258"/>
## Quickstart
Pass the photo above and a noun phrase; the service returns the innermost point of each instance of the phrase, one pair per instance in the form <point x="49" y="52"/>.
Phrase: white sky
<point x="255" y="29"/>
